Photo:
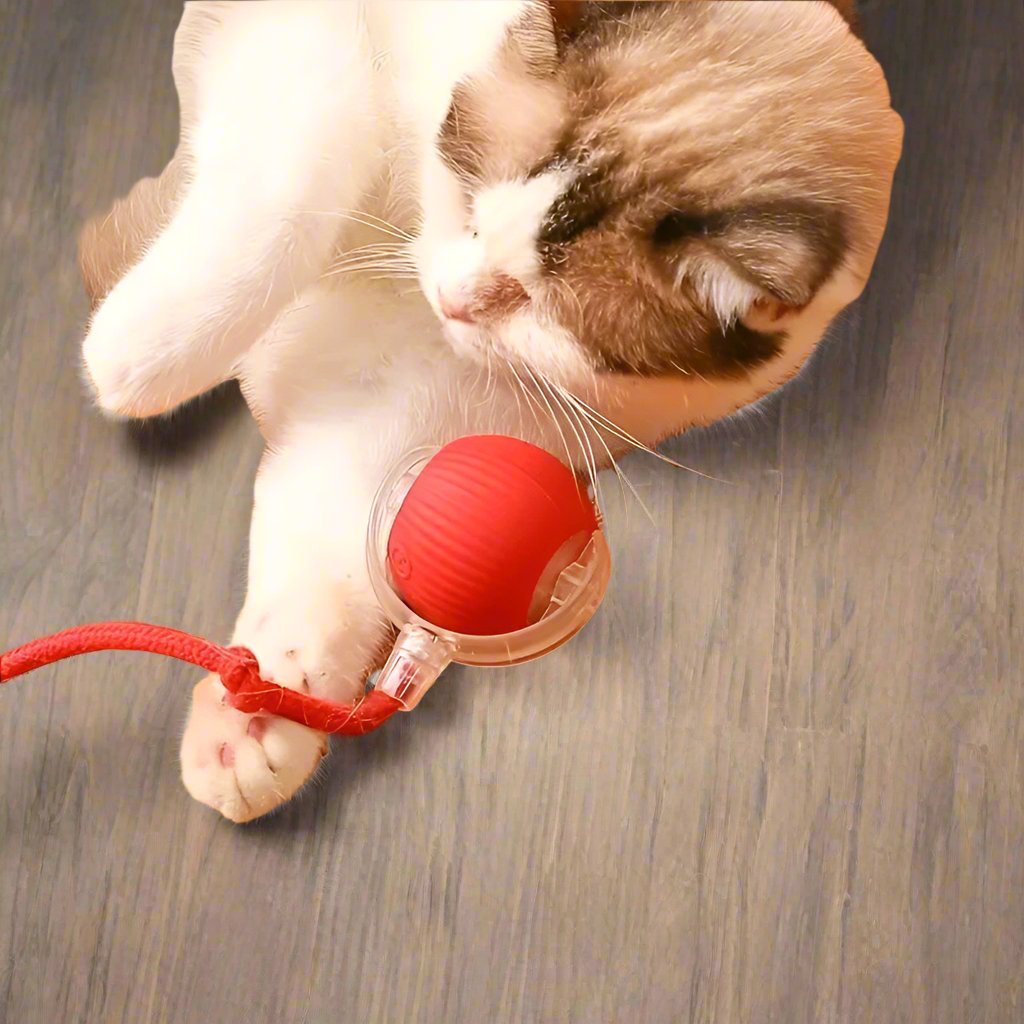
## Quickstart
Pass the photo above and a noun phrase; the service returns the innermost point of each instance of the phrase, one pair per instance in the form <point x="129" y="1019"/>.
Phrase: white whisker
<point x="588" y="426"/>
<point x="386" y="269"/>
<point x="554" y="419"/>
<point x="519" y="408"/>
<point x="613" y="428"/>
<point x="530" y="400"/>
<point x="620" y="473"/>
<point x="489" y="385"/>
<point x="367" y="220"/>
<point x="572" y="291"/>
<point x="586" y="449"/>
<point x="384" y="259"/>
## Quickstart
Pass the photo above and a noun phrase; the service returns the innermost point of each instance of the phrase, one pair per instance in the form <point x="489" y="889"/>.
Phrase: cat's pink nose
<point x="454" y="307"/>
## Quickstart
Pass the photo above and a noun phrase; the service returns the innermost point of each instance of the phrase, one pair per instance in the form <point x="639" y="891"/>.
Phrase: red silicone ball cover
<point x="478" y="528"/>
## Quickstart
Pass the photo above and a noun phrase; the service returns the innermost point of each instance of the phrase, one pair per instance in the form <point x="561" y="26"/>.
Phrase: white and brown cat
<point x="400" y="222"/>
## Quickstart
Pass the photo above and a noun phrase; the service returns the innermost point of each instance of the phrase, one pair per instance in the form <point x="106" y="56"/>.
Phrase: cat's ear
<point x="765" y="261"/>
<point x="110" y="244"/>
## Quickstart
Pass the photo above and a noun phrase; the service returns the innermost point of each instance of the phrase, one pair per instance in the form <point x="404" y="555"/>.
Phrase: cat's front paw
<point x="244" y="765"/>
<point x="247" y="765"/>
<point x="125" y="357"/>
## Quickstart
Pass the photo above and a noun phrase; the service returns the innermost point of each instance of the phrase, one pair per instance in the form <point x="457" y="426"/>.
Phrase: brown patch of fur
<point x="566" y="16"/>
<point x="498" y="298"/>
<point x="652" y="326"/>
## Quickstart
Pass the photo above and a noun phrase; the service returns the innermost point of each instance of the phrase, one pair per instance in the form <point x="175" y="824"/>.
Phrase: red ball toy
<point x="484" y="532"/>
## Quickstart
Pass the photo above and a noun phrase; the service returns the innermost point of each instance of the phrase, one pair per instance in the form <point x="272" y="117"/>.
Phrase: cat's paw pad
<point x="244" y="765"/>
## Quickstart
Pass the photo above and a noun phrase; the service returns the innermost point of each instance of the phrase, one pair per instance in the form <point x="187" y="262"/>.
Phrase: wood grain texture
<point x="777" y="780"/>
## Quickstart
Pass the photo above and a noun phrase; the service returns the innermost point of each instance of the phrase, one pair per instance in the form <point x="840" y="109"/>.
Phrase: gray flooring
<point x="779" y="778"/>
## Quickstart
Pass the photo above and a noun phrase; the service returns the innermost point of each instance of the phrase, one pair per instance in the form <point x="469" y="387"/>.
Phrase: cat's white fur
<point x="302" y="123"/>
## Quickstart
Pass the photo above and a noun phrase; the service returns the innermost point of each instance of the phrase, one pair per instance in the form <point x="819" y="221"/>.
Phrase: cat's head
<point x="657" y="188"/>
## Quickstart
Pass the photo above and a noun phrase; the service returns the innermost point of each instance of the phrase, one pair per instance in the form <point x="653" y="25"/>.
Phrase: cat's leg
<point x="310" y="617"/>
<point x="279" y="133"/>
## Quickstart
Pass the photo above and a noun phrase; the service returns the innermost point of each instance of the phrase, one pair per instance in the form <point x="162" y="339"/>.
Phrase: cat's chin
<point x="521" y="343"/>
<point x="466" y="340"/>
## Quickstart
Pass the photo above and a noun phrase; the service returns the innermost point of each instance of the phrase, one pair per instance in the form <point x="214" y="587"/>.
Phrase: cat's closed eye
<point x="678" y="225"/>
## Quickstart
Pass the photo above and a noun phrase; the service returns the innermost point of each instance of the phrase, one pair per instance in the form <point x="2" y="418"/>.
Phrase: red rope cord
<point x="237" y="667"/>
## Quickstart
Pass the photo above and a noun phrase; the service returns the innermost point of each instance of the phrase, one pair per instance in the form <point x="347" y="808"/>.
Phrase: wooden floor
<point x="778" y="780"/>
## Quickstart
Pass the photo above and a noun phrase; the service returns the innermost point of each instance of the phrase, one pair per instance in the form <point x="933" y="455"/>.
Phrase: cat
<point x="397" y="223"/>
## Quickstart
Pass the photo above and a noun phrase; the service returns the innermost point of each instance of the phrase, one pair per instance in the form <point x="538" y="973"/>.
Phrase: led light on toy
<point x="486" y="552"/>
